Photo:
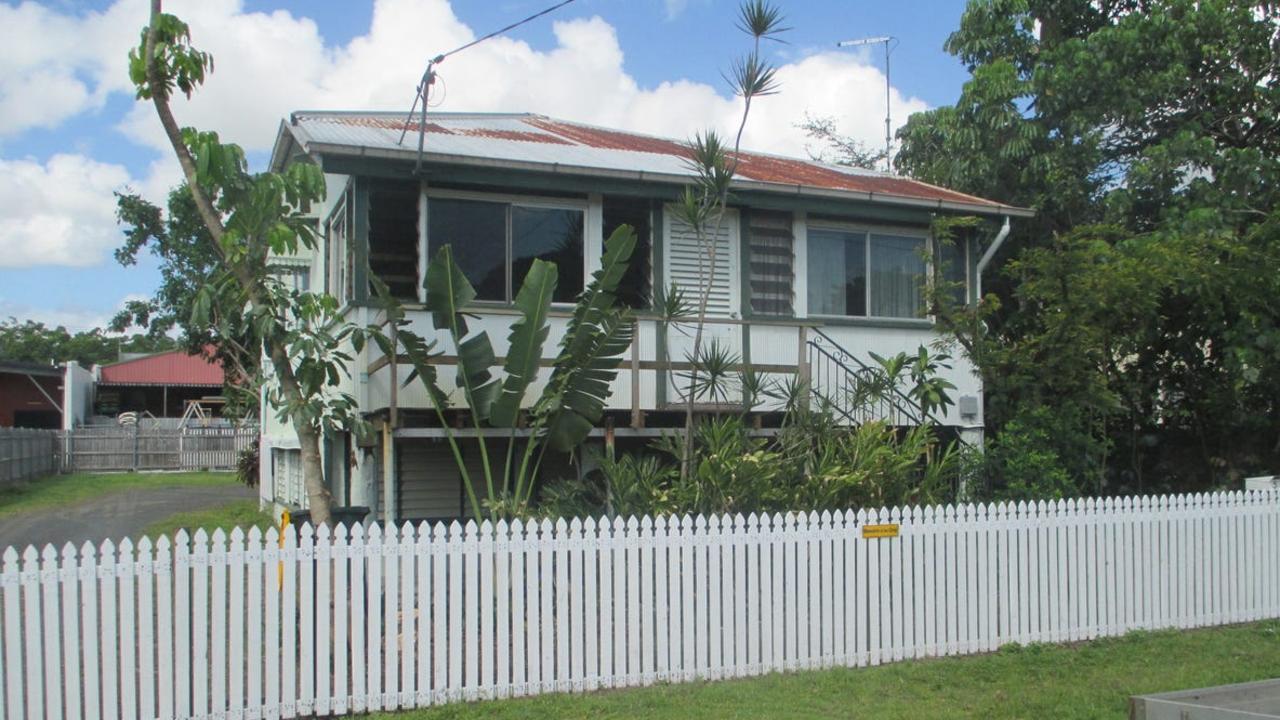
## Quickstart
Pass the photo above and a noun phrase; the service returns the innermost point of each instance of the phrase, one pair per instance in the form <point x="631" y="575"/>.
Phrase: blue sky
<point x="71" y="132"/>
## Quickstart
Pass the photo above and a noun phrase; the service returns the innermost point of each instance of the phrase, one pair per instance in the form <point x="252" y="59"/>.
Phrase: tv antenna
<point x="890" y="43"/>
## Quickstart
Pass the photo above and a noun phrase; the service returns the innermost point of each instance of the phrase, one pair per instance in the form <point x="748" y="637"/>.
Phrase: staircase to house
<point x="856" y="391"/>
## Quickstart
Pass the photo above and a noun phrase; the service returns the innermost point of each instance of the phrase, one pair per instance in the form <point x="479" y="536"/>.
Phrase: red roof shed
<point x="173" y="368"/>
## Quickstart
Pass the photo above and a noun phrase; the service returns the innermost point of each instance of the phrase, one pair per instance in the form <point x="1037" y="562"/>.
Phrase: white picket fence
<point x="252" y="626"/>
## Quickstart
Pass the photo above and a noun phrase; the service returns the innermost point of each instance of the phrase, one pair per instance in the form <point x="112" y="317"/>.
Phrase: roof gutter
<point x="991" y="253"/>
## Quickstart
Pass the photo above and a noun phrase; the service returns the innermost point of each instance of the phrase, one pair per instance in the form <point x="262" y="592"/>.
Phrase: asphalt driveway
<point x="115" y="515"/>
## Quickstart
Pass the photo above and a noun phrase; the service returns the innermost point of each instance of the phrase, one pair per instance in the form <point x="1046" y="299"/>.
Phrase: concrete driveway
<point x="116" y="515"/>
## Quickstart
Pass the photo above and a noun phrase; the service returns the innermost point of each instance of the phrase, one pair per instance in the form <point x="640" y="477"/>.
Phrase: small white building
<point x="817" y="267"/>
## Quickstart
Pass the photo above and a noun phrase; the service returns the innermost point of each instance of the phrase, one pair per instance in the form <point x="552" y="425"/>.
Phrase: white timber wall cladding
<point x="320" y="623"/>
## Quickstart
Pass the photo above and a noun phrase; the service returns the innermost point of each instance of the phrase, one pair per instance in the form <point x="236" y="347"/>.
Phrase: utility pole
<point x="889" y="43"/>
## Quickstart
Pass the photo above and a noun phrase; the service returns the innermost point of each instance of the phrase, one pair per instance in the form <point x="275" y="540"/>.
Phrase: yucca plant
<point x="599" y="332"/>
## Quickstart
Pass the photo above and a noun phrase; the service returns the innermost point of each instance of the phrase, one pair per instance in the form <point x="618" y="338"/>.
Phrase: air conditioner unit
<point x="1262" y="482"/>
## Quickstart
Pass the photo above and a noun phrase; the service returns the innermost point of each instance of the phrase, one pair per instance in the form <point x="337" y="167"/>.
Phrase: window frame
<point x="507" y="201"/>
<point x="337" y="250"/>
<point x="866" y="231"/>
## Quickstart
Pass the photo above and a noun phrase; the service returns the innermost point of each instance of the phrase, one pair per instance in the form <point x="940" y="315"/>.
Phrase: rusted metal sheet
<point x="526" y="138"/>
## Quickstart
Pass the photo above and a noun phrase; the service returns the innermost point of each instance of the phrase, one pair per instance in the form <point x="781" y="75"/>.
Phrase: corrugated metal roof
<point x="29" y="368"/>
<point x="535" y="140"/>
<point x="168" y="368"/>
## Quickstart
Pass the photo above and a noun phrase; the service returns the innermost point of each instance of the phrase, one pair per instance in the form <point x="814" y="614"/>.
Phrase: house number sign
<point x="888" y="530"/>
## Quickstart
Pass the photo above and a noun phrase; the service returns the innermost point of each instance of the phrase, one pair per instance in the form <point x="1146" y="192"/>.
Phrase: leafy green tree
<point x="189" y="261"/>
<point x="250" y="217"/>
<point x="31" y="341"/>
<point x="1139" y="305"/>
<point x="836" y="148"/>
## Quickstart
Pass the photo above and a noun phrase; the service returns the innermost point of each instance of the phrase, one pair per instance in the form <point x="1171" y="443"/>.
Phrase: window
<point x="862" y="274"/>
<point x="636" y="288"/>
<point x="339" y="259"/>
<point x="294" y="276"/>
<point x="393" y="237"/>
<point x="771" y="261"/>
<point x="494" y="244"/>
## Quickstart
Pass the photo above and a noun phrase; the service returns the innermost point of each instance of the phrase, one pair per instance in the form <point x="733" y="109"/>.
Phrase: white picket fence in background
<point x="249" y="626"/>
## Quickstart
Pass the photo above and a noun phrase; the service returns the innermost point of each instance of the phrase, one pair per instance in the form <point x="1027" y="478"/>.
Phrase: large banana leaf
<point x="598" y="334"/>
<point x="407" y="344"/>
<point x="528" y="335"/>
<point x="448" y="293"/>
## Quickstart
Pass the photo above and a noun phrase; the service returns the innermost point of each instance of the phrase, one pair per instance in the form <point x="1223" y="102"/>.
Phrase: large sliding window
<point x="866" y="274"/>
<point x="495" y="243"/>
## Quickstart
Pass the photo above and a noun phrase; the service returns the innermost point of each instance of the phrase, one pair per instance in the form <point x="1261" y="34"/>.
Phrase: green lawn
<point x="76" y="487"/>
<point x="241" y="513"/>
<point x="1089" y="680"/>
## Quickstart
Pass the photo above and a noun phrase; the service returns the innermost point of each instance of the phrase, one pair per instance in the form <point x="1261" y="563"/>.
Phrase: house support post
<point x="637" y="415"/>
<point x="802" y="362"/>
<point x="388" y="474"/>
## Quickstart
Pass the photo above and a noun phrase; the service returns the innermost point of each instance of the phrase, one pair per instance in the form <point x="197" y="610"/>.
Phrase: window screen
<point x="636" y="288"/>
<point x="550" y="234"/>
<point x="477" y="233"/>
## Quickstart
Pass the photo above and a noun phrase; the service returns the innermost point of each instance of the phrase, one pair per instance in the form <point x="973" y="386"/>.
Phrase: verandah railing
<point x="255" y="626"/>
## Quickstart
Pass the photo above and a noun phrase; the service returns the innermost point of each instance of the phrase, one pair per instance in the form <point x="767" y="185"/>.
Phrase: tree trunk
<point x="318" y="496"/>
<point x="308" y="436"/>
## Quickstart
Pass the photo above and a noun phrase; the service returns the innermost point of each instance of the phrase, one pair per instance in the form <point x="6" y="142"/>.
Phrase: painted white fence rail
<point x="255" y="626"/>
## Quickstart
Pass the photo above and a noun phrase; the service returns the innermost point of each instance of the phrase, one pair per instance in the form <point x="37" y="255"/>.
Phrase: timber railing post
<point x="637" y="416"/>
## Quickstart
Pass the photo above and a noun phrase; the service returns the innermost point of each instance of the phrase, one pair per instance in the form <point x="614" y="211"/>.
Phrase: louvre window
<point x="771" y="260"/>
<point x="393" y="237"/>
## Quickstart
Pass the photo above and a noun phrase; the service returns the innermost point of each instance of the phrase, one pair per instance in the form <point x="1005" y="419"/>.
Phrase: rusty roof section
<point x="537" y="139"/>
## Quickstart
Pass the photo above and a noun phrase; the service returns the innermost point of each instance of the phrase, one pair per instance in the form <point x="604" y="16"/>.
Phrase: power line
<point x="429" y="77"/>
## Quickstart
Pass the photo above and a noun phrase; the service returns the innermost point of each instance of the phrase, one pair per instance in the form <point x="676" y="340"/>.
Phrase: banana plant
<point x="599" y="332"/>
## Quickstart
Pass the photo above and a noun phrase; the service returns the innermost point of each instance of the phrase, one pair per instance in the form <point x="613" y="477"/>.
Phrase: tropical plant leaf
<point x="528" y="335"/>
<point x="448" y="293"/>
<point x="598" y="334"/>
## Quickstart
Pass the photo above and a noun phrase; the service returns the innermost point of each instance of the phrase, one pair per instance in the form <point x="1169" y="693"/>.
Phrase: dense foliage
<point x="812" y="464"/>
<point x="1132" y="342"/>
<point x="31" y="341"/>
<point x="189" y="261"/>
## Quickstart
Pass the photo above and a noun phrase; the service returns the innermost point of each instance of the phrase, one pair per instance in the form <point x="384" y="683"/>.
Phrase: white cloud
<point x="72" y="318"/>
<point x="269" y="64"/>
<point x="61" y="212"/>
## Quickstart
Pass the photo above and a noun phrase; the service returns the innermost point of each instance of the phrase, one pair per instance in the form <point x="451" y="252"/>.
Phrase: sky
<point x="72" y="134"/>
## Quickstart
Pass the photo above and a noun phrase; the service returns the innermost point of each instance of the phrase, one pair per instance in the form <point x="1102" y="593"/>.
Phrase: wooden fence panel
<point x="108" y="449"/>
<point x="255" y="625"/>
<point x="27" y="455"/>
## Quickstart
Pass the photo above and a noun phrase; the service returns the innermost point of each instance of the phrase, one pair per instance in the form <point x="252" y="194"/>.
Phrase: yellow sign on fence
<point x="889" y="530"/>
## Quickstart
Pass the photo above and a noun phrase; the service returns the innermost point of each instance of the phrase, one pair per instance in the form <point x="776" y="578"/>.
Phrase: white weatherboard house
<point x="817" y="266"/>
